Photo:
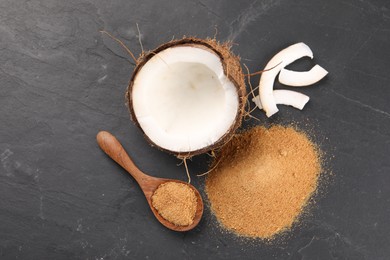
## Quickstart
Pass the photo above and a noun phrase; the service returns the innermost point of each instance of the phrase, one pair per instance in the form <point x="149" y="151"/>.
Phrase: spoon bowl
<point x="111" y="146"/>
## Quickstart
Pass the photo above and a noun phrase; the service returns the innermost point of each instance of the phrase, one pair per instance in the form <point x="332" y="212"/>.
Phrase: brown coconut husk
<point x="232" y="68"/>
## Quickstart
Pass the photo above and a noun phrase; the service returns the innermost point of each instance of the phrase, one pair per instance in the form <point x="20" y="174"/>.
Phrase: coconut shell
<point x="232" y="68"/>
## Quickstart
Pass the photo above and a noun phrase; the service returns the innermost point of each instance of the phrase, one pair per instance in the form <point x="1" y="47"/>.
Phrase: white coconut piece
<point x="285" y="97"/>
<point x="273" y="67"/>
<point x="302" y="78"/>
<point x="182" y="99"/>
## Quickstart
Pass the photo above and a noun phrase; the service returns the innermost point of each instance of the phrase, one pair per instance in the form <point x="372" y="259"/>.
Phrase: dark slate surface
<point x="61" y="82"/>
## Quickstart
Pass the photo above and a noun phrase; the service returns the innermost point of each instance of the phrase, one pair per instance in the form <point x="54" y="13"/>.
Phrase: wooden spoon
<point x="111" y="146"/>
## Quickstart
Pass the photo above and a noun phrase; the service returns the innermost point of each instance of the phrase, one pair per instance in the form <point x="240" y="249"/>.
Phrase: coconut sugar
<point x="175" y="202"/>
<point x="262" y="180"/>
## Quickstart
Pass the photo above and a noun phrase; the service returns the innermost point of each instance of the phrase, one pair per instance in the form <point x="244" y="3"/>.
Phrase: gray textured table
<point x="61" y="82"/>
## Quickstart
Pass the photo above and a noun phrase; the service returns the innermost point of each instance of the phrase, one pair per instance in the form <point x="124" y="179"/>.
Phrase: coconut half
<point x="187" y="96"/>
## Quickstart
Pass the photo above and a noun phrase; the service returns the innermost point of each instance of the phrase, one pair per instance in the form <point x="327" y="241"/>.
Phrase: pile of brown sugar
<point x="262" y="181"/>
<point x="175" y="202"/>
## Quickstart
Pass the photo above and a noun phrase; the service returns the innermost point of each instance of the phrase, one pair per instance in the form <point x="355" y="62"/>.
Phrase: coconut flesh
<point x="182" y="96"/>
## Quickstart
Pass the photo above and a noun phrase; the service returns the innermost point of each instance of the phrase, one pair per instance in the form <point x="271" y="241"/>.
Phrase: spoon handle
<point x="111" y="146"/>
